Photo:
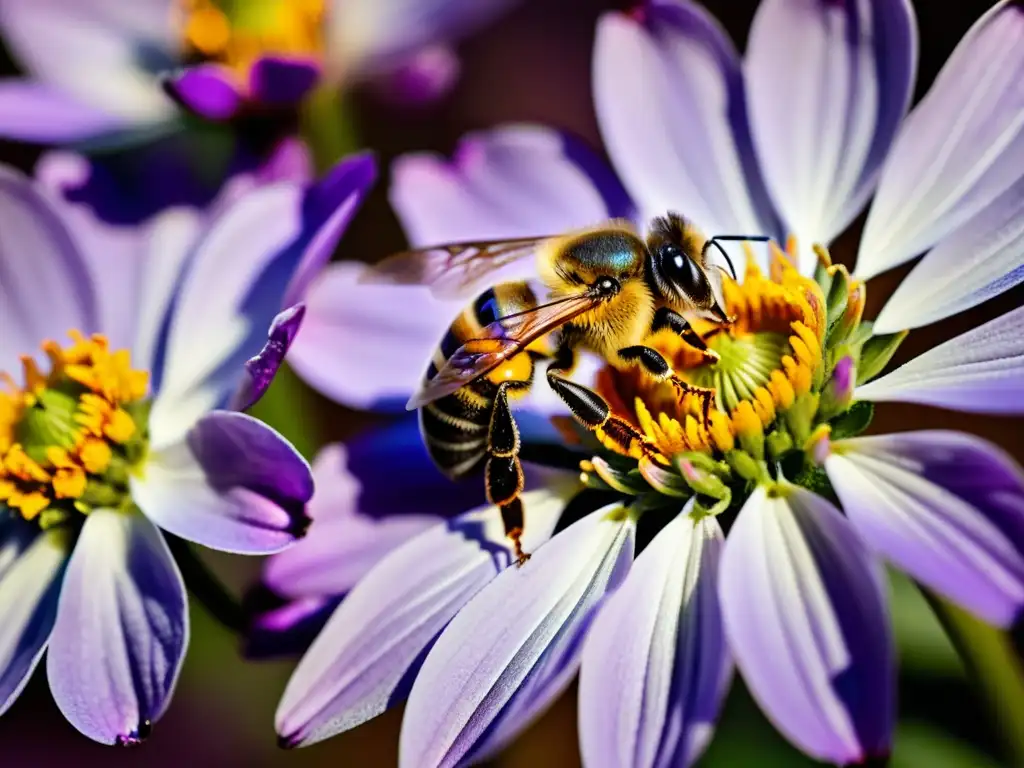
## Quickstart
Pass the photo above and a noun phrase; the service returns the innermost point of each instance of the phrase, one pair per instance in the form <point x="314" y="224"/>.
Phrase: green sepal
<point x="854" y="421"/>
<point x="876" y="354"/>
<point x="779" y="443"/>
<point x="837" y="298"/>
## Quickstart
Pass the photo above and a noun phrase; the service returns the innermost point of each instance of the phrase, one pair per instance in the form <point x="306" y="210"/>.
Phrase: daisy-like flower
<point x="98" y="79"/>
<point x="121" y="349"/>
<point x="769" y="518"/>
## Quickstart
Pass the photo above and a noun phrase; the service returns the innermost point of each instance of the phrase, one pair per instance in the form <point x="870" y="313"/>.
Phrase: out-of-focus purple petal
<point x="828" y="84"/>
<point x="428" y="75"/>
<point x="671" y="107"/>
<point x="31" y="566"/>
<point x="515" y="646"/>
<point x="367" y="37"/>
<point x="45" y="286"/>
<point x="357" y="349"/>
<point x="350" y="539"/>
<point x="261" y="369"/>
<point x="31" y="111"/>
<point x="121" y="630"/>
<point x="281" y="628"/>
<point x="946" y="507"/>
<point x="290" y="161"/>
<point x="92" y="50"/>
<point x="959" y="152"/>
<point x="805" y="615"/>
<point x="366" y="657"/>
<point x="327" y="208"/>
<point x="513" y="181"/>
<point x="278" y="81"/>
<point x="655" y="664"/>
<point x="980" y="371"/>
<point x="980" y="260"/>
<point x="234" y="484"/>
<point x="207" y="90"/>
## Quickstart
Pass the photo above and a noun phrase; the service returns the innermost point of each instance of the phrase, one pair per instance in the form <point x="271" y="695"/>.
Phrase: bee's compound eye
<point x="680" y="270"/>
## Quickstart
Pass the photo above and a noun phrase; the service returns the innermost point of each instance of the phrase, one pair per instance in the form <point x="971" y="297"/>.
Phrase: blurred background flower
<point x="534" y="66"/>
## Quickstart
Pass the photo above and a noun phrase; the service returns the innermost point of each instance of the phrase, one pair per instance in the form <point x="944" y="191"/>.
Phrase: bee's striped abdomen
<point x="455" y="427"/>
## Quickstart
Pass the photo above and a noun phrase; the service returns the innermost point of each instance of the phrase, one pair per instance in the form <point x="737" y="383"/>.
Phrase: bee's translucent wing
<point x="499" y="341"/>
<point x="457" y="270"/>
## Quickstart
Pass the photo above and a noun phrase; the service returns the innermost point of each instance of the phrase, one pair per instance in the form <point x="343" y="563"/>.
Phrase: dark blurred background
<point x="534" y="65"/>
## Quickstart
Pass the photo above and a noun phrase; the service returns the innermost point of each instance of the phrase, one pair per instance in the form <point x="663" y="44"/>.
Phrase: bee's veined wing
<point x="499" y="341"/>
<point x="458" y="270"/>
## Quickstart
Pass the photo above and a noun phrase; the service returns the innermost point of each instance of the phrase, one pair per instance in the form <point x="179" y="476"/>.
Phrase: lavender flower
<point x="753" y="565"/>
<point x="123" y="433"/>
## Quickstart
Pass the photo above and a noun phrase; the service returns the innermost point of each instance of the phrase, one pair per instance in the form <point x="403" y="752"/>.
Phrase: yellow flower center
<point x="69" y="438"/>
<point x="238" y="32"/>
<point x="769" y="358"/>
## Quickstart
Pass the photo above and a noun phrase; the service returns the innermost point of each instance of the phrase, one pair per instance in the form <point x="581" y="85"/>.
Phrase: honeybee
<point x="602" y="290"/>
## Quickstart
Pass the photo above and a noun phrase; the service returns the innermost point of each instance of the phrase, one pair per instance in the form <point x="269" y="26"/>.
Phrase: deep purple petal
<point x="31" y="567"/>
<point x="207" y="90"/>
<point x="45" y="286"/>
<point x="289" y="161"/>
<point x="981" y="371"/>
<point x="513" y="181"/>
<point x="656" y="666"/>
<point x="121" y="630"/>
<point x="828" y="84"/>
<point x="515" y="646"/>
<point x="261" y="369"/>
<point x="281" y="628"/>
<point x="234" y="484"/>
<point x="366" y="657"/>
<point x="672" y="111"/>
<point x="946" y="507"/>
<point x="805" y="614"/>
<point x="31" y="111"/>
<point x="959" y="151"/>
<point x="277" y="81"/>
<point x="424" y="77"/>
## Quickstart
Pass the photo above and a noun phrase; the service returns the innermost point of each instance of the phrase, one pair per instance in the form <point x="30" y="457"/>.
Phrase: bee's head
<point x="675" y="269"/>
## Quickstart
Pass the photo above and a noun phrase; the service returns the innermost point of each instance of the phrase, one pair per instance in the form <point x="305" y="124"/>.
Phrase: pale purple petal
<point x="656" y="666"/>
<point x="513" y="181"/>
<point x="261" y="369"/>
<point x="45" y="287"/>
<point x="946" y="507"/>
<point x="365" y="37"/>
<point x="290" y="161"/>
<point x="980" y="260"/>
<point x="980" y="371"/>
<point x="31" y="566"/>
<point x="425" y="76"/>
<point x="959" y="151"/>
<point x="234" y="484"/>
<point x="366" y="657"/>
<point x="671" y="107"/>
<point x="208" y="90"/>
<point x="360" y="516"/>
<point x="828" y="84"/>
<point x="36" y="112"/>
<point x="93" y="50"/>
<point x="515" y="646"/>
<point x="805" y="614"/>
<point x="281" y="82"/>
<point x="121" y="631"/>
<point x="357" y="349"/>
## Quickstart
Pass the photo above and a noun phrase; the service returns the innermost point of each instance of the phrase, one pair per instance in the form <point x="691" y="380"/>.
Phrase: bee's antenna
<point x="735" y="239"/>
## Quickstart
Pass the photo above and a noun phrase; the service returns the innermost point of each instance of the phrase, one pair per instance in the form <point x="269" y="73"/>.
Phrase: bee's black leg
<point x="657" y="367"/>
<point x="592" y="411"/>
<point x="503" y="475"/>
<point x="667" y="318"/>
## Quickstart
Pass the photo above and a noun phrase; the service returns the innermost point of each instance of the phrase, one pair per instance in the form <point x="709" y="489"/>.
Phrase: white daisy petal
<point x="981" y="371"/>
<point x="959" y="150"/>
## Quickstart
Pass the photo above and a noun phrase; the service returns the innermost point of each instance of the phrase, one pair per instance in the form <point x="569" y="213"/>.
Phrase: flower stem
<point x="992" y="662"/>
<point x="209" y="590"/>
